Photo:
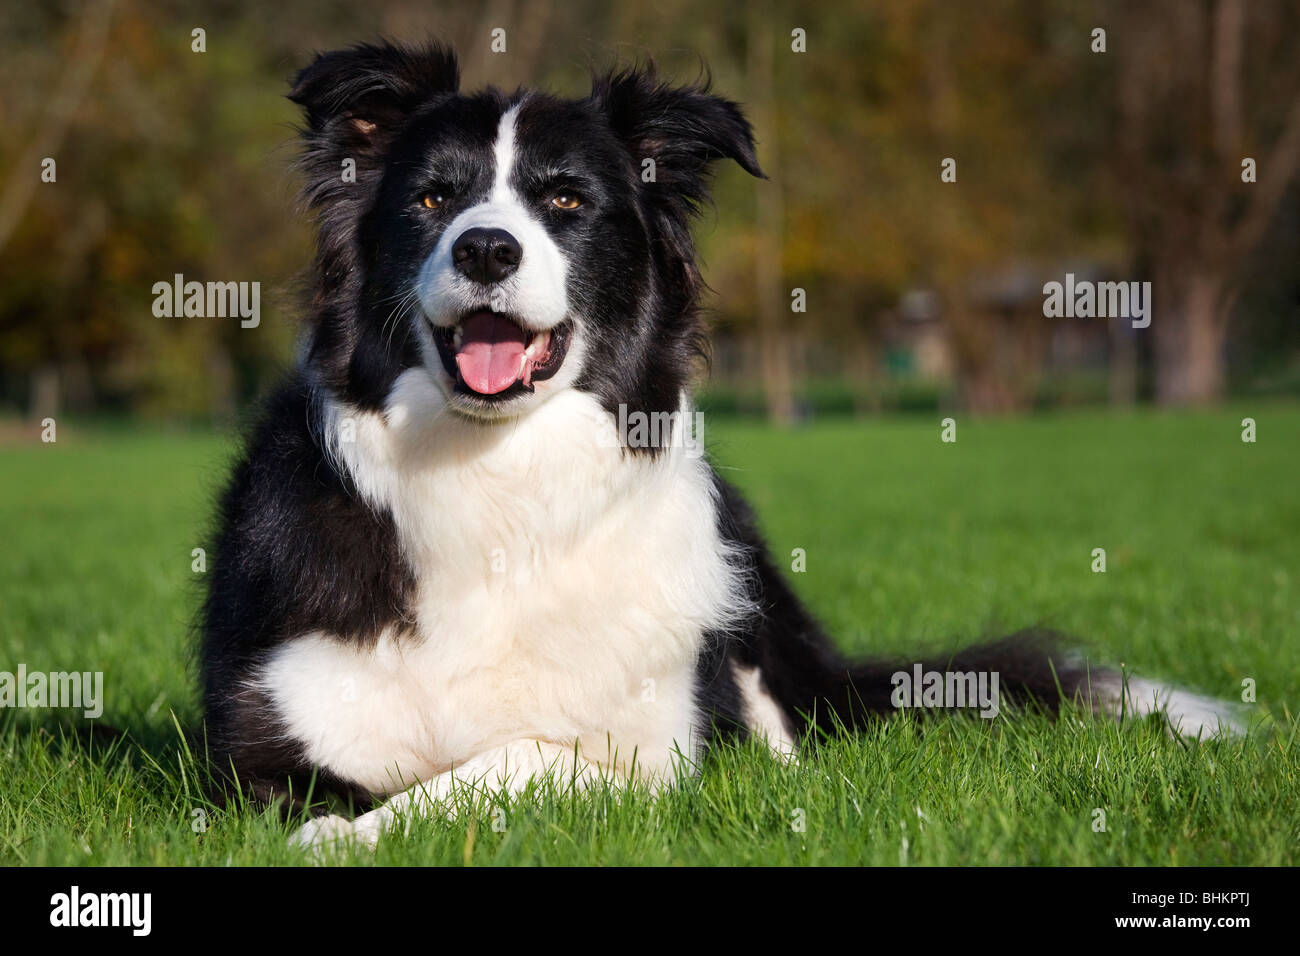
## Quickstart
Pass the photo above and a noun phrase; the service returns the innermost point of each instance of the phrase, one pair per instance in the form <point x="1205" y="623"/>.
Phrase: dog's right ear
<point x="354" y="100"/>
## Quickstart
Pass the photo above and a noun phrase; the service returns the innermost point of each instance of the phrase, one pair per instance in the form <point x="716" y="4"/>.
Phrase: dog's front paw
<point x="319" y="835"/>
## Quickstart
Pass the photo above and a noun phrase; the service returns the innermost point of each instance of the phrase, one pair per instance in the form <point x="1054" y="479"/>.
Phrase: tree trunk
<point x="1189" y="341"/>
<point x="998" y="355"/>
<point x="859" y="369"/>
<point x="771" y="303"/>
<point x="45" y="393"/>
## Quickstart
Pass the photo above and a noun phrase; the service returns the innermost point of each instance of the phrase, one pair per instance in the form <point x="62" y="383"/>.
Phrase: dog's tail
<point x="1032" y="668"/>
<point x="819" y="689"/>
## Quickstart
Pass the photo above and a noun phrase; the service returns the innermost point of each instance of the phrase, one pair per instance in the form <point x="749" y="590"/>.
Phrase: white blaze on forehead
<point x="535" y="294"/>
<point x="503" y="151"/>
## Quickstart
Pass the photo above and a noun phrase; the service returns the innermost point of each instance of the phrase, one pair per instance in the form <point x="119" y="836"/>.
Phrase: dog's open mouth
<point x="492" y="356"/>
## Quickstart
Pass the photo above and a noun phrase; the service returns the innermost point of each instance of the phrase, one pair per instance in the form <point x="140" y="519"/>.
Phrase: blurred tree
<point x="1192" y="106"/>
<point x="770" y="289"/>
<point x="172" y="161"/>
<point x="887" y="94"/>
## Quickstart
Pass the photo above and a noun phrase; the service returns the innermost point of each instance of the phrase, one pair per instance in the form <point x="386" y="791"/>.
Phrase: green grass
<point x="910" y="544"/>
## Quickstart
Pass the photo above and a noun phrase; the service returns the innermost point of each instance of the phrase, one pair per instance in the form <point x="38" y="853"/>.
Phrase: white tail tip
<point x="1189" y="714"/>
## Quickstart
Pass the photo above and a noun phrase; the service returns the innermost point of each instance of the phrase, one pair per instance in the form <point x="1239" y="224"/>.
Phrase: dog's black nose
<point x="486" y="255"/>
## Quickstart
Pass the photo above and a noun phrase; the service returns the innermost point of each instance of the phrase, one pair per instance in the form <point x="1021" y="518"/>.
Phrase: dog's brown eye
<point x="565" y="200"/>
<point x="434" y="200"/>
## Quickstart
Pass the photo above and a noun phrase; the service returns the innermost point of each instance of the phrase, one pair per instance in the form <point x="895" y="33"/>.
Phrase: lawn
<point x="910" y="544"/>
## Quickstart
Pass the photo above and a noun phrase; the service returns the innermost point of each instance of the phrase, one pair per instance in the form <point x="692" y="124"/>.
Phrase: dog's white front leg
<point x="506" y="770"/>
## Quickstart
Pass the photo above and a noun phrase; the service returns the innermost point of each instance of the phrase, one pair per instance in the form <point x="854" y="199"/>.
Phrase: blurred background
<point x="921" y="294"/>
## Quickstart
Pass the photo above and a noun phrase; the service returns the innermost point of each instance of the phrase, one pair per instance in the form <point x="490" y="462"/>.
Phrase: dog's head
<point x="511" y="245"/>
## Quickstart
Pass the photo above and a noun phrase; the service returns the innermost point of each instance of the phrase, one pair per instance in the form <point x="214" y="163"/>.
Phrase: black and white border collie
<point x="434" y="568"/>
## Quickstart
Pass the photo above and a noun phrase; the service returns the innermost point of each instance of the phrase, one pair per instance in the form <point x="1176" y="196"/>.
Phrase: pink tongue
<point x="491" y="352"/>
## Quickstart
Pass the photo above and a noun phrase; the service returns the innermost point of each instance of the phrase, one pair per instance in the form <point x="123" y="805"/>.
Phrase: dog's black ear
<point x="682" y="128"/>
<point x="355" y="102"/>
<point x="356" y="98"/>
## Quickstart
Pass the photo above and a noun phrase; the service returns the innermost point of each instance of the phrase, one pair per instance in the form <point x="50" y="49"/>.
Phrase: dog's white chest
<point x="563" y="591"/>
